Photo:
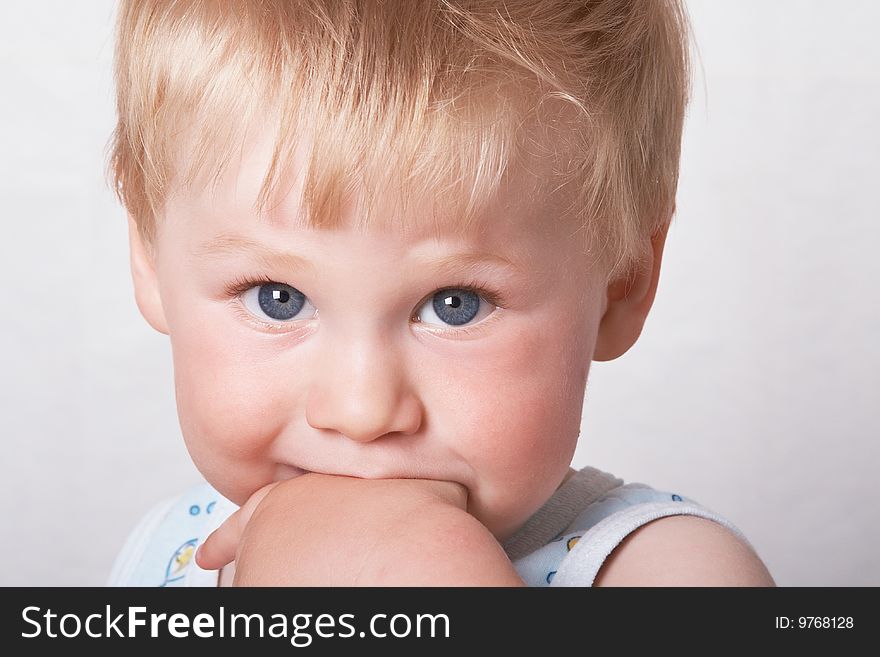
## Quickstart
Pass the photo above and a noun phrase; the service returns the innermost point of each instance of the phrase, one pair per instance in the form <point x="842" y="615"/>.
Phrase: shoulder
<point x="683" y="550"/>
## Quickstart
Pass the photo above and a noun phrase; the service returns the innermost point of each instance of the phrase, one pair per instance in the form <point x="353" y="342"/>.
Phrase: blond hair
<point x="441" y="95"/>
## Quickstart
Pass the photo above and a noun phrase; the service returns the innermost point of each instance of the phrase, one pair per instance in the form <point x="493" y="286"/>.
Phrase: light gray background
<point x="753" y="389"/>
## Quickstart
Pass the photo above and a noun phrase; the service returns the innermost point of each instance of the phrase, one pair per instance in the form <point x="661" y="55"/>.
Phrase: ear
<point x="146" y="284"/>
<point x="628" y="301"/>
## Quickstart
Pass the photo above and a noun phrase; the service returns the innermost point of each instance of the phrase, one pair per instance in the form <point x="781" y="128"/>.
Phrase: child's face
<point x="350" y="382"/>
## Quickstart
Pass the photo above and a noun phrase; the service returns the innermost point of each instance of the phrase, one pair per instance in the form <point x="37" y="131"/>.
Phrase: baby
<point x="386" y="240"/>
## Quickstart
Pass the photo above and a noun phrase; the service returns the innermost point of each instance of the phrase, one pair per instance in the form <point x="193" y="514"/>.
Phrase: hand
<point x="326" y="530"/>
<point x="221" y="546"/>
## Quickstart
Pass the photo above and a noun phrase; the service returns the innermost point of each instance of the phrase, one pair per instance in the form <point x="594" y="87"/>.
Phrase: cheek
<point x="525" y="416"/>
<point x="226" y="407"/>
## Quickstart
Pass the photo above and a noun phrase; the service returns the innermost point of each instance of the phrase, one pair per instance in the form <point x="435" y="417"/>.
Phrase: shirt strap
<point x="580" y="490"/>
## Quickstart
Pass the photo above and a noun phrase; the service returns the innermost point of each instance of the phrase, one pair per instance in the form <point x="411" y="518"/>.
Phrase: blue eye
<point x="276" y="301"/>
<point x="454" y="306"/>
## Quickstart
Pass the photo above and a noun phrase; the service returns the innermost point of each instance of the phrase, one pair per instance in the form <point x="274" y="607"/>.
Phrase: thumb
<point x="220" y="546"/>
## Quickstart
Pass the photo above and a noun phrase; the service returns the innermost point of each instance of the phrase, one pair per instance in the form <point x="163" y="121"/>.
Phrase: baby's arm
<point x="683" y="551"/>
<point x="323" y="530"/>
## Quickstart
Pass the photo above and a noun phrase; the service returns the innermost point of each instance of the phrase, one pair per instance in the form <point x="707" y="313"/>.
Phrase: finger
<point x="220" y="546"/>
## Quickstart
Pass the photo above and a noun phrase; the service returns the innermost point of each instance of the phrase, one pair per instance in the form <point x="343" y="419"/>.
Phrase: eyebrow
<point x="227" y="244"/>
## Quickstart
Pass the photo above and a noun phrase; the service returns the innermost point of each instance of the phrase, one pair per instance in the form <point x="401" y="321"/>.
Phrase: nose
<point x="362" y="392"/>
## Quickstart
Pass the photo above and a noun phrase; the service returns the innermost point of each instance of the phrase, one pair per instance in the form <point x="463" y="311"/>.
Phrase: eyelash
<point x="242" y="284"/>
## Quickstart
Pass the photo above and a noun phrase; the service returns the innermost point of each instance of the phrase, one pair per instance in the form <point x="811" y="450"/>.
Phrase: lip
<point x="288" y="471"/>
<point x="291" y="471"/>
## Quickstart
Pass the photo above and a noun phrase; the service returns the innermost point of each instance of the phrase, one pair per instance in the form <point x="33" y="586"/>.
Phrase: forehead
<point x="522" y="220"/>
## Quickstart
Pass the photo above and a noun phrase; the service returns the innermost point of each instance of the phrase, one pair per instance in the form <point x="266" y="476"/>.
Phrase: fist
<point x="328" y="530"/>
